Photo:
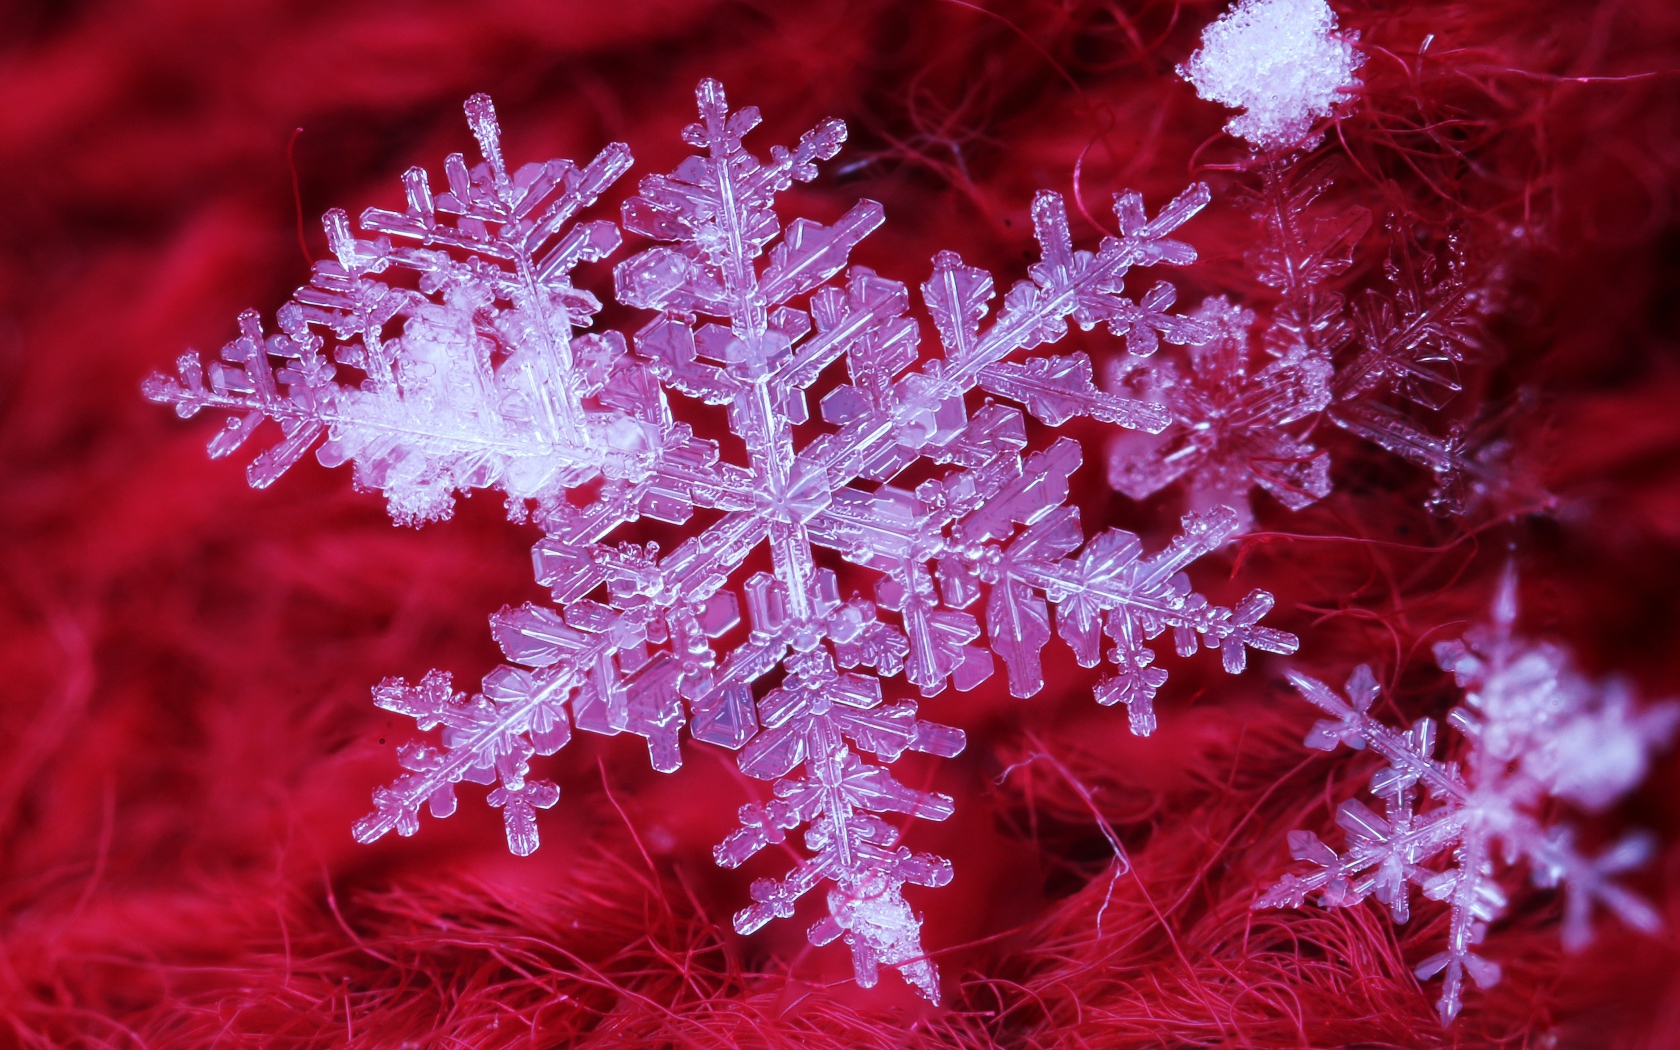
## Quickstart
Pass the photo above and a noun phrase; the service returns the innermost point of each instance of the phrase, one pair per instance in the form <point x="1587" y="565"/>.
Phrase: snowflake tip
<point x="481" y="117"/>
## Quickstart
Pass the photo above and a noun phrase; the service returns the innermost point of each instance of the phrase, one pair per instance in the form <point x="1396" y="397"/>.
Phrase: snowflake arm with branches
<point x="474" y="379"/>
<point x="1412" y="340"/>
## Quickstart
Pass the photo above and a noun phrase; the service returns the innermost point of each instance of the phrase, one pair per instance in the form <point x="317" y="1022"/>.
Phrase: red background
<point x="185" y="728"/>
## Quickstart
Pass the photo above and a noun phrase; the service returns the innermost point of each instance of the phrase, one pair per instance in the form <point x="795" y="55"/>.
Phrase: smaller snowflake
<point x="1280" y="61"/>
<point x="1231" y="427"/>
<point x="1535" y="729"/>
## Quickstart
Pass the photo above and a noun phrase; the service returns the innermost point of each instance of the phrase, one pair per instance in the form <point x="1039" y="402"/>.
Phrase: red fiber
<point x="186" y="732"/>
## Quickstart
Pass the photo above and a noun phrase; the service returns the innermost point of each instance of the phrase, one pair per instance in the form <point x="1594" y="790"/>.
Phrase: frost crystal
<point x="1535" y="729"/>
<point x="486" y="383"/>
<point x="1280" y="61"/>
<point x="1238" y="424"/>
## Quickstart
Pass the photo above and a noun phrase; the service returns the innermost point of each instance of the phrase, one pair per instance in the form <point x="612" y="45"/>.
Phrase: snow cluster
<point x="881" y="439"/>
<point x="1281" y="62"/>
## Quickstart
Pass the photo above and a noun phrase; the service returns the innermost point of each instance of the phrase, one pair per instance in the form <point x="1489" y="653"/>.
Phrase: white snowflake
<point x="1280" y="61"/>
<point x="1535" y="729"/>
<point x="479" y="379"/>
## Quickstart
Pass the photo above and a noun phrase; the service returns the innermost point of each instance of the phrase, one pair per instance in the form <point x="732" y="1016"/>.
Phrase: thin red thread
<point x="297" y="198"/>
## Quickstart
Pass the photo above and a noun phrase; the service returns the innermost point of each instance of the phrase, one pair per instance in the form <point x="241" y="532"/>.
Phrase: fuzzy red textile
<point x="186" y="733"/>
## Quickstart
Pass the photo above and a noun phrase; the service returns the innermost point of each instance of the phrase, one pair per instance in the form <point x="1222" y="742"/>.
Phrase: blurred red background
<point x="185" y="726"/>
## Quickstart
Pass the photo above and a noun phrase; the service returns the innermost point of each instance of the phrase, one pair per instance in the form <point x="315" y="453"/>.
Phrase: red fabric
<point x="186" y="732"/>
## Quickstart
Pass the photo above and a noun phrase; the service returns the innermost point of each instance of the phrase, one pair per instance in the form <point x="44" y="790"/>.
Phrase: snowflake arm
<point x="816" y="720"/>
<point x="1412" y="340"/>
<point x="468" y="381"/>
<point x="1300" y="249"/>
<point x="1466" y="465"/>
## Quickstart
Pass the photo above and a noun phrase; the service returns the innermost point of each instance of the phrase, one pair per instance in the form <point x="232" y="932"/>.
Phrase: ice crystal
<point x="1535" y="729"/>
<point x="1409" y="342"/>
<point x="1301" y="247"/>
<point x="1243" y="419"/>
<point x="1236" y="426"/>
<point x="1469" y="464"/>
<point x="1233" y="429"/>
<point x="1412" y="338"/>
<point x="489" y="384"/>
<point x="1281" y="62"/>
<point x="1405" y="341"/>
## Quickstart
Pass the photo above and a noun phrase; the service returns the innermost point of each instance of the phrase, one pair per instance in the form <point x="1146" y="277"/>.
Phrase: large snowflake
<point x="474" y="374"/>
<point x="1535" y="730"/>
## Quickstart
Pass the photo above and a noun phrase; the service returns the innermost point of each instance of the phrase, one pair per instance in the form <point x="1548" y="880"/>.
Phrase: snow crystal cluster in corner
<point x="1281" y="62"/>
<point x="1537" y="732"/>
<point x="474" y="369"/>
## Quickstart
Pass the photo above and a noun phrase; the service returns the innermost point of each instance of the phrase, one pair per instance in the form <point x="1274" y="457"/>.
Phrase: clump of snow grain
<point x="1281" y="61"/>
